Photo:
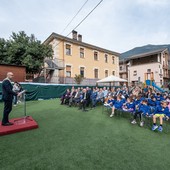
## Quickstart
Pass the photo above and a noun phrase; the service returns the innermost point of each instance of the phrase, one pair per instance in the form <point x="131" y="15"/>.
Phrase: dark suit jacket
<point x="7" y="93"/>
<point x="86" y="97"/>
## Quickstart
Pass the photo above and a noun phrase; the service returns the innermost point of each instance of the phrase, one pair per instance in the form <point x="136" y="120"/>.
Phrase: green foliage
<point x="3" y="51"/>
<point x="23" y="50"/>
<point x="78" y="79"/>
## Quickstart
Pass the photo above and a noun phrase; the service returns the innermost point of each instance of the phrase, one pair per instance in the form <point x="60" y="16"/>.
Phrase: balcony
<point x="123" y="71"/>
<point x="165" y="66"/>
<point x="53" y="64"/>
<point x="166" y="76"/>
<point x="70" y="80"/>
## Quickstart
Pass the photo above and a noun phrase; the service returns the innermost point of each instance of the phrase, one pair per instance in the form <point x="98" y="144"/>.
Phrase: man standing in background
<point x="7" y="97"/>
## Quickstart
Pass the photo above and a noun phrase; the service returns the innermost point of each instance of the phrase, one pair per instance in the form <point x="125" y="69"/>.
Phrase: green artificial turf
<point x="69" y="139"/>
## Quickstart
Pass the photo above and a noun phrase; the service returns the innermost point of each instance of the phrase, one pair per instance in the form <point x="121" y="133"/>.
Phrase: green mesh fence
<point x="36" y="91"/>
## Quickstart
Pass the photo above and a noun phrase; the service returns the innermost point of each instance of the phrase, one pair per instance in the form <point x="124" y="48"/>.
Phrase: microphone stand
<point x="25" y="111"/>
<point x="25" y="118"/>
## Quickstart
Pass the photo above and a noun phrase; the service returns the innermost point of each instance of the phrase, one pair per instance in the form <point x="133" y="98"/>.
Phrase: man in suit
<point x="83" y="101"/>
<point x="7" y="97"/>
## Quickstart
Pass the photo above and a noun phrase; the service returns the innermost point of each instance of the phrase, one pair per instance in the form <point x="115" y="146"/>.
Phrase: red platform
<point x="20" y="124"/>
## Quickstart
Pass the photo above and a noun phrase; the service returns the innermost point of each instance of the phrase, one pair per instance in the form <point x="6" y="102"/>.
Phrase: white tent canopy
<point x="111" y="79"/>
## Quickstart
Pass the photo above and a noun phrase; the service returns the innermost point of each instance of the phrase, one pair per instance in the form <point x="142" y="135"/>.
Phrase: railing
<point x="165" y="66"/>
<point x="166" y="76"/>
<point x="70" y="80"/>
<point x="123" y="70"/>
<point x="54" y="64"/>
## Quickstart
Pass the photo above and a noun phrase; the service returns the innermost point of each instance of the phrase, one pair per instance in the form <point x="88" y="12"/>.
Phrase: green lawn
<point x="68" y="139"/>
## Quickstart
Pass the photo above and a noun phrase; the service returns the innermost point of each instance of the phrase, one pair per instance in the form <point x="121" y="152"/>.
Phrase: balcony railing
<point x="165" y="66"/>
<point x="54" y="64"/>
<point x="122" y="70"/>
<point x="166" y="76"/>
<point x="70" y="80"/>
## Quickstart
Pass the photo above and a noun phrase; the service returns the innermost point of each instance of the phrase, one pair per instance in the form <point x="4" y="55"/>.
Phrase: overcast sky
<point x="117" y="25"/>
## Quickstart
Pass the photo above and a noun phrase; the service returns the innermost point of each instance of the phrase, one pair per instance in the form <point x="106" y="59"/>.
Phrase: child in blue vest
<point x="160" y="112"/>
<point x="143" y="109"/>
<point x="117" y="105"/>
<point x="152" y="103"/>
<point x="138" y="101"/>
<point x="110" y="102"/>
<point x="159" y="98"/>
<point x="129" y="106"/>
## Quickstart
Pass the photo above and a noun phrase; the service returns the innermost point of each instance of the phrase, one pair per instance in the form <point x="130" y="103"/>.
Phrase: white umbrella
<point x="111" y="79"/>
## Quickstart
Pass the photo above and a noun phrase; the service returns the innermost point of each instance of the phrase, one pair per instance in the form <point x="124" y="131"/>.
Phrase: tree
<point x="78" y="79"/>
<point x="23" y="50"/>
<point x="3" y="51"/>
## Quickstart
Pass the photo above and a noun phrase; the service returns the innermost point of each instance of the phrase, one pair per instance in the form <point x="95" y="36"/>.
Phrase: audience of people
<point x="139" y="102"/>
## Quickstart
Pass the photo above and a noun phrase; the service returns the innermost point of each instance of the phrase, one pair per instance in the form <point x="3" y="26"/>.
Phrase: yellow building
<point x="72" y="56"/>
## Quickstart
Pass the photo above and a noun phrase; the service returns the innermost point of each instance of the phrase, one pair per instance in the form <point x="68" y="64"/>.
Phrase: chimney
<point x="74" y="34"/>
<point x="80" y="37"/>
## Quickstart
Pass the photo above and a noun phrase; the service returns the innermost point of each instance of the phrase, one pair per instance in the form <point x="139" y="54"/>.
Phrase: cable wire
<point x="85" y="17"/>
<point x="81" y="21"/>
<point x="74" y="16"/>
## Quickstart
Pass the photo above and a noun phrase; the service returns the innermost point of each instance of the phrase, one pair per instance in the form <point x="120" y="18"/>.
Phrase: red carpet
<point x="20" y="124"/>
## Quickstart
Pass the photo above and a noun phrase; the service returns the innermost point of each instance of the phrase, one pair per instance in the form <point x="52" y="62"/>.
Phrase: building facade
<point x="151" y="65"/>
<point x="74" y="57"/>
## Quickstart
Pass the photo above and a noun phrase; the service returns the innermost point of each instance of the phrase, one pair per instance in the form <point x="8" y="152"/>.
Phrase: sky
<point x="116" y="25"/>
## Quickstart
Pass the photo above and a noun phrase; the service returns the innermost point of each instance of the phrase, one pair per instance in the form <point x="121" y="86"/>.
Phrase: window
<point x="68" y="71"/>
<point x="121" y="68"/>
<point x="96" y="72"/>
<point x="106" y="58"/>
<point x="163" y="63"/>
<point x="113" y="60"/>
<point x="161" y="82"/>
<point x="106" y="73"/>
<point x="81" y="52"/>
<point x="113" y="73"/>
<point x="138" y="79"/>
<point x="96" y="55"/>
<point x="160" y="71"/>
<point x="135" y="73"/>
<point x="148" y="70"/>
<point x="82" y="71"/>
<point x="68" y="49"/>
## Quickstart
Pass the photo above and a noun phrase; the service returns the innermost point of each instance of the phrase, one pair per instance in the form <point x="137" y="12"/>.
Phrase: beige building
<point x="140" y="67"/>
<point x="74" y="57"/>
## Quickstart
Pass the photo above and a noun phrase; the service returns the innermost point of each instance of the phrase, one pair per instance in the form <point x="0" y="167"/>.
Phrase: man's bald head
<point x="10" y="75"/>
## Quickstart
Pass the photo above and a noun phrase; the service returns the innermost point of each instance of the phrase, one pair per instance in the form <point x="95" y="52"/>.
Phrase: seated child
<point x="152" y="103"/>
<point x="129" y="106"/>
<point x="138" y="101"/>
<point x="117" y="105"/>
<point x="143" y="109"/>
<point x="110" y="102"/>
<point x="168" y="101"/>
<point x="160" y="112"/>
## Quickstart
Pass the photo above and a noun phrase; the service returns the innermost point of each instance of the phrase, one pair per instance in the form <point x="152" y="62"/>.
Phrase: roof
<point x="146" y="54"/>
<point x="80" y="43"/>
<point x="143" y="51"/>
